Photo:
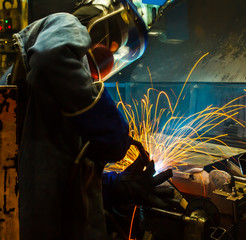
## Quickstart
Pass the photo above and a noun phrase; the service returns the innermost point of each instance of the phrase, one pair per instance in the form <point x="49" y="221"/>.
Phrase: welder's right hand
<point x="137" y="185"/>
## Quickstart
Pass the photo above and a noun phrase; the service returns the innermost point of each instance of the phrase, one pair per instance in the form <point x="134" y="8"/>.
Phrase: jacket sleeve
<point x="57" y="67"/>
<point x="104" y="126"/>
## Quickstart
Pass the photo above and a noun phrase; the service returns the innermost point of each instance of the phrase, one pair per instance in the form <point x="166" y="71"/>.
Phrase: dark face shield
<point x="119" y="37"/>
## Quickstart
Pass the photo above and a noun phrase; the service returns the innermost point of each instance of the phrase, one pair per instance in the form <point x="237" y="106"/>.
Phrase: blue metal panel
<point x="155" y="2"/>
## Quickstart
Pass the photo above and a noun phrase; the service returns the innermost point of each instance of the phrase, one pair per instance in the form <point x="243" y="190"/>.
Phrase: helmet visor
<point x="119" y="37"/>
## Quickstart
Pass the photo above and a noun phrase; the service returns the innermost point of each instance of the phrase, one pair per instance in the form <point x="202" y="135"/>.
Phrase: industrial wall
<point x="9" y="213"/>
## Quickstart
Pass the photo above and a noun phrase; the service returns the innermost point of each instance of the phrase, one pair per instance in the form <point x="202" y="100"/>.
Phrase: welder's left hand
<point x="137" y="185"/>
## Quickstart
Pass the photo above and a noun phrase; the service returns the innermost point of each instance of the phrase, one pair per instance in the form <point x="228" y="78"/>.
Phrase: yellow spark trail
<point x="171" y="138"/>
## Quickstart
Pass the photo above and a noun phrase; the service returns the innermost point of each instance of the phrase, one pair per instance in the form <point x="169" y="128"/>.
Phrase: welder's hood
<point x="118" y="33"/>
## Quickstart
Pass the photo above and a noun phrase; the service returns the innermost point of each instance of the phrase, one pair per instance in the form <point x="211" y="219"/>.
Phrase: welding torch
<point x="146" y="159"/>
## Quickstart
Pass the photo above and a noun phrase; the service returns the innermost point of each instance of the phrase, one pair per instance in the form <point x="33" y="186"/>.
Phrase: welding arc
<point x="145" y="161"/>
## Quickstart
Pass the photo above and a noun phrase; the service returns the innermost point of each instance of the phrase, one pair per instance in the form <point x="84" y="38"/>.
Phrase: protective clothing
<point x="59" y="93"/>
<point x="136" y="185"/>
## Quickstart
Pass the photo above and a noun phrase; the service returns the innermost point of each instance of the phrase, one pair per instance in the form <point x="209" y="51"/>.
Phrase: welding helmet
<point x="118" y="33"/>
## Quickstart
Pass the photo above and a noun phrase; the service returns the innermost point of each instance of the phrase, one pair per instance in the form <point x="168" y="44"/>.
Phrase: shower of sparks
<point x="170" y="138"/>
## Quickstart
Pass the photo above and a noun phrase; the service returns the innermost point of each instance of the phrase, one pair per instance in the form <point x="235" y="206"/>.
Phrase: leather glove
<point x="136" y="185"/>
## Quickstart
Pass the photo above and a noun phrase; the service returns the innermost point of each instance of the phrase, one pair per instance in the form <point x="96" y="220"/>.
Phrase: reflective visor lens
<point x="123" y="33"/>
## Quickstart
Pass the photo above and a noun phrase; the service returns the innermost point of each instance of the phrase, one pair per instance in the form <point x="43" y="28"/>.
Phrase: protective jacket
<point x="61" y="109"/>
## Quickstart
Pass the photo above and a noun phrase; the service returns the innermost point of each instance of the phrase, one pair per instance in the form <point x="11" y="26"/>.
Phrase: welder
<point x="63" y="107"/>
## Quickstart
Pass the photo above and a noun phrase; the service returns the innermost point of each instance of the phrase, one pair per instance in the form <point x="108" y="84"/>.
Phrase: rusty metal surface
<point x="9" y="223"/>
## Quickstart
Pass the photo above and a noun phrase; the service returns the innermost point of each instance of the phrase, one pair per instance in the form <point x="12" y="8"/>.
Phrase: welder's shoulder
<point x="55" y="29"/>
<point x="48" y="38"/>
<point x="63" y="29"/>
<point x="67" y="28"/>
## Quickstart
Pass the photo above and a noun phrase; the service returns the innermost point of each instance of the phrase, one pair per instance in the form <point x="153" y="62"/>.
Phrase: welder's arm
<point x="136" y="186"/>
<point x="104" y="126"/>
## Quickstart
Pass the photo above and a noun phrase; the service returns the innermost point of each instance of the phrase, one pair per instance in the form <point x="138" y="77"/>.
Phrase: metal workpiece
<point x="195" y="223"/>
<point x="216" y="205"/>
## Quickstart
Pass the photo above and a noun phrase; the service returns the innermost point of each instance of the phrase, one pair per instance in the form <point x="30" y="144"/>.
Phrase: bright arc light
<point x="170" y="138"/>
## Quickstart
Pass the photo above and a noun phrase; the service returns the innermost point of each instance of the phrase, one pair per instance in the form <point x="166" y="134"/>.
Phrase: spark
<point x="171" y="137"/>
<point x="203" y="185"/>
<point x="131" y="225"/>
